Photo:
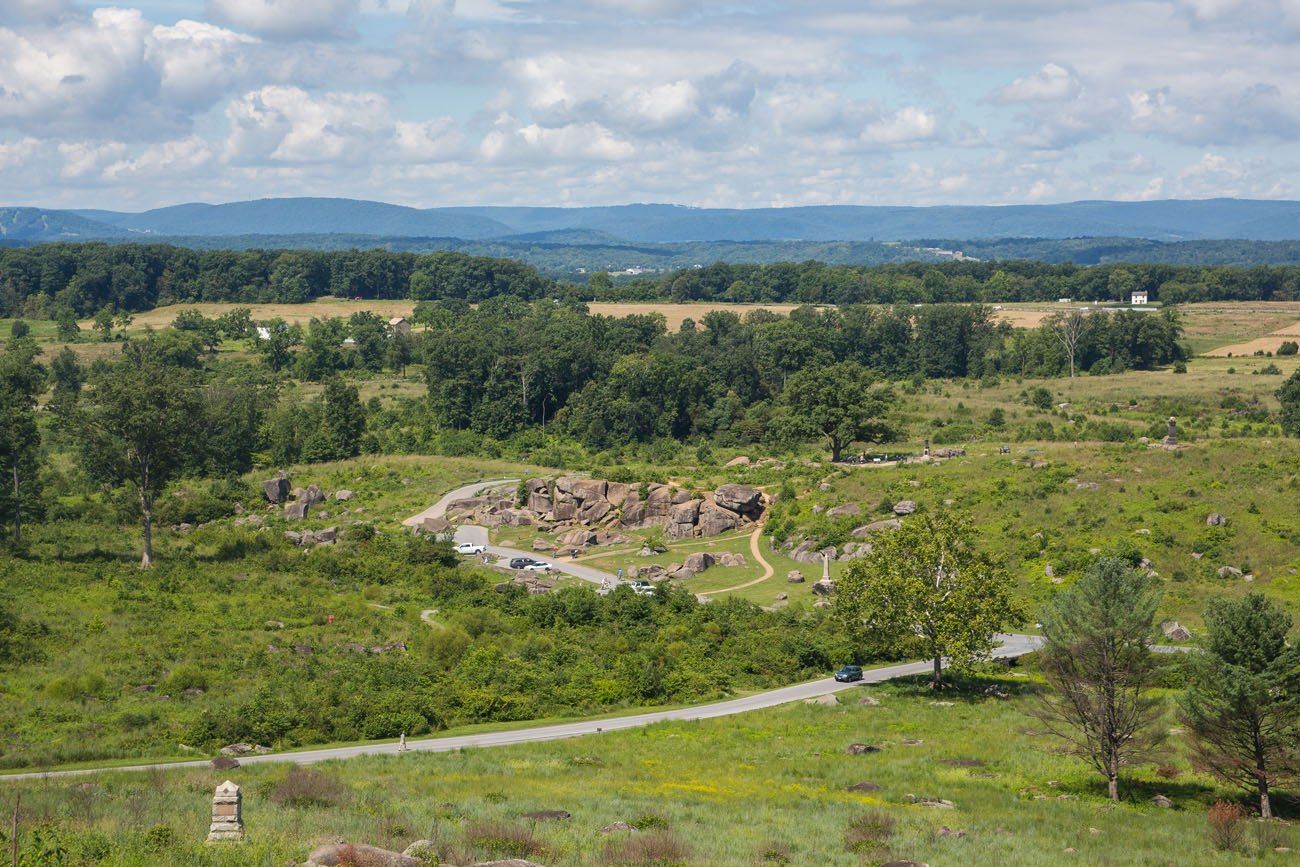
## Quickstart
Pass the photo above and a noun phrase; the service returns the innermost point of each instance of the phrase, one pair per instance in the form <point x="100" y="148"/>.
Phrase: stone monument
<point x="227" y="815"/>
<point x="1171" y="438"/>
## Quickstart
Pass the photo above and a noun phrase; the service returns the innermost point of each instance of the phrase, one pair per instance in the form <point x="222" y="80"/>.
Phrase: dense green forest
<point x="81" y="279"/>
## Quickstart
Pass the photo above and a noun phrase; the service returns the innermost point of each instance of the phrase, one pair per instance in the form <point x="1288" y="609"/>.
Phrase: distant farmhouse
<point x="400" y="325"/>
<point x="1139" y="297"/>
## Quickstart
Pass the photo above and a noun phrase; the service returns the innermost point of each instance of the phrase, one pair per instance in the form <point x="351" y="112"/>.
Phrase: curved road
<point x="1012" y="645"/>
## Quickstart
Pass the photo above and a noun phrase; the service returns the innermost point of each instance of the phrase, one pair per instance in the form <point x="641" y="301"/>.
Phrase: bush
<point x="184" y="677"/>
<point x="650" y="822"/>
<point x="1227" y="825"/>
<point x="1288" y="347"/>
<point x="159" y="838"/>
<point x="503" y="839"/>
<point x="1040" y="398"/>
<point x="775" y="852"/>
<point x="657" y="849"/>
<point x="1270" y="369"/>
<point x="869" y="832"/>
<point x="305" y="787"/>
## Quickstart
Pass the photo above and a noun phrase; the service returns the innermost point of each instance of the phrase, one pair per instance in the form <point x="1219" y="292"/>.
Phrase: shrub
<point x="1168" y="772"/>
<point x="305" y="787"/>
<point x="503" y="839"/>
<point x="775" y="852"/>
<point x="869" y="832"/>
<point x="1040" y="398"/>
<point x="184" y="677"/>
<point x="159" y="837"/>
<point x="650" y="822"/>
<point x="1180" y="367"/>
<point x="1288" y="347"/>
<point x="1227" y="825"/>
<point x="1270" y="369"/>
<point x="657" y="849"/>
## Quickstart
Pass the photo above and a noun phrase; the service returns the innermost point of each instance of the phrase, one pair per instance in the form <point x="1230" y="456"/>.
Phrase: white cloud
<point x="287" y="125"/>
<point x="287" y="19"/>
<point x="1052" y="83"/>
<point x="907" y="125"/>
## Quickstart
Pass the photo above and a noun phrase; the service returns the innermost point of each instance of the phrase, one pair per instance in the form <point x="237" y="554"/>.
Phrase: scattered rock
<point x="945" y="831"/>
<point x="912" y="742"/>
<point x="938" y="803"/>
<point x="1161" y="801"/>
<point x="224" y="763"/>
<point x="861" y="749"/>
<point x="794" y="576"/>
<point x="738" y="461"/>
<point x="869" y="701"/>
<point x="823" y="587"/>
<point x="876" y="527"/>
<point x="865" y="787"/>
<point x="1216" y="520"/>
<point x="699" y="561"/>
<point x="276" y="490"/>
<point x="549" y="815"/>
<point x="846" y="509"/>
<point x="782" y="597"/>
<point x="1229" y="572"/>
<point x="616" y="827"/>
<point x="1175" y="631"/>
<point x="542" y="545"/>
<point x="1049" y="571"/>
<point x="426" y="850"/>
<point x="829" y="700"/>
<point x="296" y="511"/>
<point x="343" y="495"/>
<point x="348" y="854"/>
<point x="904" y="507"/>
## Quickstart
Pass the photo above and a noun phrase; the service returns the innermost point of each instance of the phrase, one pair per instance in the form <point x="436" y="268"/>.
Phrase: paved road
<point x="1013" y="645"/>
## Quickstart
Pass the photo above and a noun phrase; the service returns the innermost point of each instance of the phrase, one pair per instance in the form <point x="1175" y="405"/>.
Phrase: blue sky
<point x="571" y="102"/>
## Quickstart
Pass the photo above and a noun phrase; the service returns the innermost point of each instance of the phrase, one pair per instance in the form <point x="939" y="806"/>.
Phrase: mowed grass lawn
<point x="727" y="790"/>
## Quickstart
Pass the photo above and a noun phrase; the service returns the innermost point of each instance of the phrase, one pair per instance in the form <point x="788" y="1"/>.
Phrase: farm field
<point x="768" y="787"/>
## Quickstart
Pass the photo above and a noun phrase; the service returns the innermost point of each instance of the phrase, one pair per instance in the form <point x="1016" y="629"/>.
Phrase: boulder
<point x="930" y="802"/>
<point x="607" y="537"/>
<point x="276" y="490"/>
<point x="293" y="536"/>
<point x="577" y="538"/>
<point x="617" y="493"/>
<point x="594" y="510"/>
<point x="680" y="497"/>
<point x="634" y="512"/>
<point x="699" y="561"/>
<point x="434" y="526"/>
<point x="311" y="495"/>
<point x="343" y="495"/>
<point x="224" y="763"/>
<point x="782" y="597"/>
<point x="685" y="513"/>
<point x="794" y="576"/>
<point x="540" y="503"/>
<point x="679" y="531"/>
<point x="829" y="700"/>
<point x="296" y="511"/>
<point x="542" y="545"/>
<point x="861" y="749"/>
<point x="424" y="849"/>
<point x="741" y="499"/>
<point x="681" y="573"/>
<point x="904" y="507"/>
<point x="538" y="486"/>
<point x="713" y="522"/>
<point x="565" y="511"/>
<point x="616" y="827"/>
<point x="350" y="854"/>
<point x="846" y="509"/>
<point x="1161" y="801"/>
<point x="876" y="527"/>
<point x="1216" y="520"/>
<point x="1229" y="572"/>
<point x="658" y="501"/>
<point x="949" y="453"/>
<point x="738" y="461"/>
<point x="1175" y="631"/>
<point x="823" y="587"/>
<point x="730" y="559"/>
<point x="327" y="536"/>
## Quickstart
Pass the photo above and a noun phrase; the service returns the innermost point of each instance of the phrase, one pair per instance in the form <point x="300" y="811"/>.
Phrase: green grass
<point x="726" y="788"/>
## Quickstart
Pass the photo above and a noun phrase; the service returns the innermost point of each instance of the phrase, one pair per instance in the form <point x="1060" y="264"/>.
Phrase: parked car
<point x="471" y="548"/>
<point x="849" y="673"/>
<point x="538" y="566"/>
<point x="521" y="562"/>
<point x="642" y="587"/>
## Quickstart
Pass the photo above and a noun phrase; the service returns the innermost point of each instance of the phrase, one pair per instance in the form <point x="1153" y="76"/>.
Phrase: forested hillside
<point x="80" y="279"/>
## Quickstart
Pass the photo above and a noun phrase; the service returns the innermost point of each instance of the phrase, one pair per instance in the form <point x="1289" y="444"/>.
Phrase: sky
<point x="145" y="103"/>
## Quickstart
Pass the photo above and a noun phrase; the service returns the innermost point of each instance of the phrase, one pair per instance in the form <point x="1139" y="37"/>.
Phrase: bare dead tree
<point x="1068" y="330"/>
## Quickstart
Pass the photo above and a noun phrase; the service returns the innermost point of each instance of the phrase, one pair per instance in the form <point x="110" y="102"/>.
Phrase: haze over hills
<point x="1170" y="220"/>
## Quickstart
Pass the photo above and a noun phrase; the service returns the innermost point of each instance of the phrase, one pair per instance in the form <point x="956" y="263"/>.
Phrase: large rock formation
<point x="599" y="508"/>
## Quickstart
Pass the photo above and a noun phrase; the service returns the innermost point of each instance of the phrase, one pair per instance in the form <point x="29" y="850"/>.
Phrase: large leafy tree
<point x="926" y="585"/>
<point x="1289" y="396"/>
<point x="1242" y="704"/>
<point x="140" y="423"/>
<point x="1097" y="660"/>
<point x="21" y="379"/>
<point x="841" y="403"/>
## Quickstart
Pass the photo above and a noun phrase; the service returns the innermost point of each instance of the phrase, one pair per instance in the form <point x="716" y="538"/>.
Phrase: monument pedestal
<point x="227" y="815"/>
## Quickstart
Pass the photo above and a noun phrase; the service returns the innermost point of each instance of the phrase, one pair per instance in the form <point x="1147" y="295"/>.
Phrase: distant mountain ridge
<point x="1170" y="220"/>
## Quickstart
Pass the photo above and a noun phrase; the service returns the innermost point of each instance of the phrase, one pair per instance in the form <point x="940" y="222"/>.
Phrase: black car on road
<point x="522" y="562"/>
<point x="849" y="673"/>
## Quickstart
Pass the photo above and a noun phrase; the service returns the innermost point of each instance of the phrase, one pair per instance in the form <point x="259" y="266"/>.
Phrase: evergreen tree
<point x="21" y="379"/>
<point x="1097" y="660"/>
<point x="1242" y="704"/>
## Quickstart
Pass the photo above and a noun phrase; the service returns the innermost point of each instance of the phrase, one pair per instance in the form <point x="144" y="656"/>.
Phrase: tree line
<point x="78" y="280"/>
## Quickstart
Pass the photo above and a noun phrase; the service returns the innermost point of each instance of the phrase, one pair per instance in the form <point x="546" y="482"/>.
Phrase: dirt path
<point x="768" y="571"/>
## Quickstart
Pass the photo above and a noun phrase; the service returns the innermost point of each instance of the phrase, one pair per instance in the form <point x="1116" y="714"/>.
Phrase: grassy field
<point x="765" y="788"/>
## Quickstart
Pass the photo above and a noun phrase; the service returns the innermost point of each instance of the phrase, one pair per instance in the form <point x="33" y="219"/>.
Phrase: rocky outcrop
<point x="276" y="490"/>
<point x="1216" y="520"/>
<point x="904" y="507"/>
<point x="349" y="854"/>
<point x="876" y="527"/>
<point x="741" y="499"/>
